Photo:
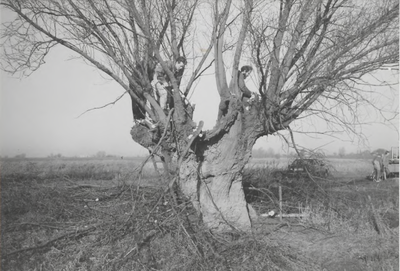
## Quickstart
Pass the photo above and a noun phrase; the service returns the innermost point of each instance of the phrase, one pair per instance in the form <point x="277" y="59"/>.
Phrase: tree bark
<point x="211" y="177"/>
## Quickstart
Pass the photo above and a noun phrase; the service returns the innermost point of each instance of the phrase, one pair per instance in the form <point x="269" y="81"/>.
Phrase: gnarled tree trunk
<point x="212" y="178"/>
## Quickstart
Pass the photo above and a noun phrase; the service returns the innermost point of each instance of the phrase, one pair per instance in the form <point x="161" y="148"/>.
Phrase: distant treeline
<point x="270" y="153"/>
<point x="257" y="153"/>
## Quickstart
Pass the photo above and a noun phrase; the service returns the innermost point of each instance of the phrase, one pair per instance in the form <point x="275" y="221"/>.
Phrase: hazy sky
<point x="39" y="114"/>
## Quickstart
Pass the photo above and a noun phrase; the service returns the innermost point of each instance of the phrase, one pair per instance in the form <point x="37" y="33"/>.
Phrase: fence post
<point x="280" y="201"/>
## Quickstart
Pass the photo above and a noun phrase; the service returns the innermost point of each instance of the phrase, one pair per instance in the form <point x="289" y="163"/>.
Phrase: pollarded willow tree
<point x="305" y="53"/>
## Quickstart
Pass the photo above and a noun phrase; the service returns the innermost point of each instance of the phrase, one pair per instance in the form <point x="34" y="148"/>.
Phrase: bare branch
<point x="103" y="106"/>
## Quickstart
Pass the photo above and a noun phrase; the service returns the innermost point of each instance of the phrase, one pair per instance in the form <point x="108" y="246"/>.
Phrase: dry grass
<point x="74" y="168"/>
<point x="347" y="219"/>
<point x="91" y="215"/>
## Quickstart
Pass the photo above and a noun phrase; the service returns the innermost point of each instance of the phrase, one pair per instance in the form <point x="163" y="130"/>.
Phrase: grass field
<point x="88" y="214"/>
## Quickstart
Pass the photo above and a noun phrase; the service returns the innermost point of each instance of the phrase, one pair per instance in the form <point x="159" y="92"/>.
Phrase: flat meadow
<point x="101" y="214"/>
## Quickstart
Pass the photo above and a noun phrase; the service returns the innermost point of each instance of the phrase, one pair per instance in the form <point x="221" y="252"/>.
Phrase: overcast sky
<point x="39" y="114"/>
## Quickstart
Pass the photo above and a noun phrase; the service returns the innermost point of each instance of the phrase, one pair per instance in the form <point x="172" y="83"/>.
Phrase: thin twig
<point x="13" y="226"/>
<point x="67" y="235"/>
<point x="103" y="106"/>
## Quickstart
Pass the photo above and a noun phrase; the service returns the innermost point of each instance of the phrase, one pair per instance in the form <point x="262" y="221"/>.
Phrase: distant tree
<point x="308" y="56"/>
<point x="360" y="155"/>
<point x="365" y="154"/>
<point x="53" y="156"/>
<point x="270" y="152"/>
<point x="20" y="156"/>
<point x="342" y="152"/>
<point x="259" y="153"/>
<point x="100" y="154"/>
